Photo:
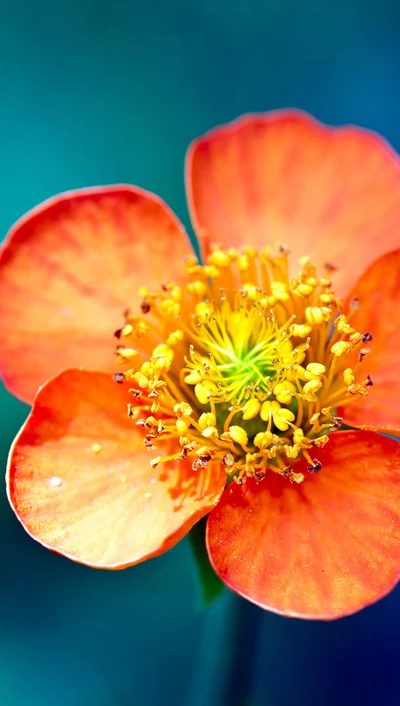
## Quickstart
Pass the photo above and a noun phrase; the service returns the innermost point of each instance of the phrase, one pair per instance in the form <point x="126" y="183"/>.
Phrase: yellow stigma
<point x="242" y="364"/>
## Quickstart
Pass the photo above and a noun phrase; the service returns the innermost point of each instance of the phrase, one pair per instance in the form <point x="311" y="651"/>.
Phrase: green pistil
<point x="249" y="370"/>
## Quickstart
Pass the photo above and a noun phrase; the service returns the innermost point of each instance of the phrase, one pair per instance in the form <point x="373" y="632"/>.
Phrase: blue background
<point x="95" y="92"/>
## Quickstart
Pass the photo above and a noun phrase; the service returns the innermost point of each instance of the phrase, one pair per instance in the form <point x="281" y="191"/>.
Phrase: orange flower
<point x="250" y="367"/>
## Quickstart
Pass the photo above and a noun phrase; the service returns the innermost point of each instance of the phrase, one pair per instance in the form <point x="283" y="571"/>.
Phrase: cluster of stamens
<point x="242" y="364"/>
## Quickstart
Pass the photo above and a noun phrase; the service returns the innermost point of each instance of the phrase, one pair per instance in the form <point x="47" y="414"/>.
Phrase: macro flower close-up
<point x="256" y="383"/>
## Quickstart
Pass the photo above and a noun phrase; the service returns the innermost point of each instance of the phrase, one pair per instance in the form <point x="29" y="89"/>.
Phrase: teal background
<point x="94" y="92"/>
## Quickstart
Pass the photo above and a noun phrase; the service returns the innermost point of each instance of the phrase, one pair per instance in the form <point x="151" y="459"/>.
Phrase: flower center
<point x="242" y="364"/>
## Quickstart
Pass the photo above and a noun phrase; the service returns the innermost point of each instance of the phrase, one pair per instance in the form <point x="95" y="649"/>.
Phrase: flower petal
<point x="323" y="549"/>
<point x="285" y="177"/>
<point x="378" y="291"/>
<point x="80" y="480"/>
<point x="68" y="270"/>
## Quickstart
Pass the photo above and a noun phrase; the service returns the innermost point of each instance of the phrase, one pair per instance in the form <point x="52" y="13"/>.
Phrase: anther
<point x="315" y="467"/>
<point x="145" y="306"/>
<point x="310" y="389"/>
<point x="348" y="377"/>
<point x="283" y="392"/>
<point x="292" y="451"/>
<point x="182" y="426"/>
<point x="207" y="419"/>
<point x="316" y="315"/>
<point x="126" y="352"/>
<point x="268" y="409"/>
<point x="251" y="409"/>
<point x="240" y="480"/>
<point x="197" y="287"/>
<point x="193" y="377"/>
<point x="219" y="258"/>
<point x="298" y="436"/>
<point x="183" y="409"/>
<point x="201" y="462"/>
<point x="300" y="330"/>
<point x="320" y="441"/>
<point x="296" y="478"/>
<point x="362" y="353"/>
<point x="286" y="472"/>
<point x="326" y="297"/>
<point x="316" y="369"/>
<point x="337" y="423"/>
<point x="340" y="347"/>
<point x="282" y="418"/>
<point x="210" y="432"/>
<point x="228" y="460"/>
<point x="127" y="330"/>
<point x="304" y="290"/>
<point x="132" y="412"/>
<point x="238" y="434"/>
<point x="263" y="439"/>
<point x="204" y="391"/>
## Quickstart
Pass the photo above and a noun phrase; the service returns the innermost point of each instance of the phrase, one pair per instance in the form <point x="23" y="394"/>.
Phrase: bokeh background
<point x="95" y="92"/>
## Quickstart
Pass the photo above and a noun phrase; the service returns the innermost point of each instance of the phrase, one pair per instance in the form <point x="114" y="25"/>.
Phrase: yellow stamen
<point x="245" y="364"/>
<point x="239" y="435"/>
<point x="251" y="409"/>
<point x="207" y="419"/>
<point x="340" y="348"/>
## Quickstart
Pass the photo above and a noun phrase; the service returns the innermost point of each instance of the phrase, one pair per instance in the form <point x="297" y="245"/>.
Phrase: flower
<point x="250" y="386"/>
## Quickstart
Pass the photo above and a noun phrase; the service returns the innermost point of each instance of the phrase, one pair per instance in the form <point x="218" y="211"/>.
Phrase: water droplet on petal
<point x="55" y="482"/>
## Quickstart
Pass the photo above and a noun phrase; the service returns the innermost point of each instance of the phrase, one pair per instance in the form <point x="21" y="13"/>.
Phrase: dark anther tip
<point x="145" y="306"/>
<point x="315" y="467"/>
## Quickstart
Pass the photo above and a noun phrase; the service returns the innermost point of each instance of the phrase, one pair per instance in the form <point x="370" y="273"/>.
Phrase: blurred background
<point x="94" y="92"/>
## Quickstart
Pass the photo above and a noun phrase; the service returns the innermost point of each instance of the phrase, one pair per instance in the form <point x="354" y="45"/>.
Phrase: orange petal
<point x="378" y="291"/>
<point x="80" y="480"/>
<point x="331" y="193"/>
<point x="68" y="270"/>
<point x="323" y="549"/>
